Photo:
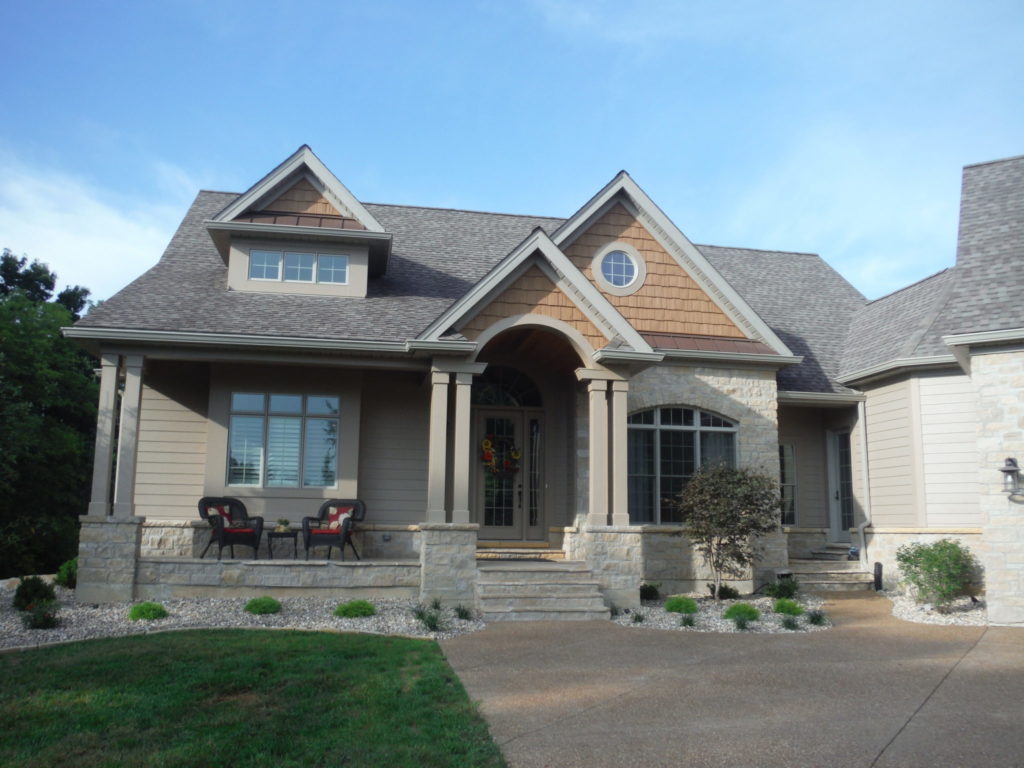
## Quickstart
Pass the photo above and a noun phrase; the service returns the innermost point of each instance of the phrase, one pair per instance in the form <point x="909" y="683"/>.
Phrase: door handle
<point x="520" y="491"/>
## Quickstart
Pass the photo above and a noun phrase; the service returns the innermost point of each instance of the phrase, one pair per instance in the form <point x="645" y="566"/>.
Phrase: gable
<point x="669" y="301"/>
<point x="533" y="292"/>
<point x="303" y="197"/>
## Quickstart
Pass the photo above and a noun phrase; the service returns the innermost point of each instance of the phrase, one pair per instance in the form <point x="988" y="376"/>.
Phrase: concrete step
<point x="548" y="615"/>
<point x="817" y="566"/>
<point x="828" y="585"/>
<point x="567" y="588"/>
<point x="529" y="602"/>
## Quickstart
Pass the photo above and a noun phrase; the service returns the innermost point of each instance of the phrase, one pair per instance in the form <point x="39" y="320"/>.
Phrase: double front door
<point x="509" y="492"/>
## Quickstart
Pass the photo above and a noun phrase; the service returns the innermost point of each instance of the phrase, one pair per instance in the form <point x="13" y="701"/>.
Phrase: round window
<point x="618" y="268"/>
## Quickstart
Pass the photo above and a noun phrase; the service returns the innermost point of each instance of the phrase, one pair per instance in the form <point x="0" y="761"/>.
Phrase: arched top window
<point x="500" y="385"/>
<point x="666" y="446"/>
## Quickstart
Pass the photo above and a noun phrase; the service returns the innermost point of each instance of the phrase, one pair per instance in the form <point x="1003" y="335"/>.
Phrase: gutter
<point x="894" y="366"/>
<point x="730" y="357"/>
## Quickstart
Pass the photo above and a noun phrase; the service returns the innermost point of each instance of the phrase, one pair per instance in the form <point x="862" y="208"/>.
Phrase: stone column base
<point x="108" y="550"/>
<point x="448" y="563"/>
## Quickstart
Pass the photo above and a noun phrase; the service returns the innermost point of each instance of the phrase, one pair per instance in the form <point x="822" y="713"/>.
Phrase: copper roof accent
<point x="707" y="343"/>
<point x="300" y="220"/>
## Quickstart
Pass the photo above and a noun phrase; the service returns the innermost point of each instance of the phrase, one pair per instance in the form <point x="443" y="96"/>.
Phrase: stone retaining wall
<point x="164" y="578"/>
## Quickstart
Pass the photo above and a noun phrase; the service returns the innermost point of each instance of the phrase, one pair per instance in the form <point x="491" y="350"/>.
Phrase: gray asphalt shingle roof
<point x="983" y="292"/>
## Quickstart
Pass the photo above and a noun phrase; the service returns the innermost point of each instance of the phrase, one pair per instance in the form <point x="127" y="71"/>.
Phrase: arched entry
<point x="508" y="412"/>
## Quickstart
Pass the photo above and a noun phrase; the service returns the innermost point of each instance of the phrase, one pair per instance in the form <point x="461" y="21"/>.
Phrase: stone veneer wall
<point x="999" y="380"/>
<point x="162" y="578"/>
<point x="882" y="544"/>
<point x="448" y="563"/>
<point x="802" y="542"/>
<point x="614" y="554"/>
<point x="108" y="549"/>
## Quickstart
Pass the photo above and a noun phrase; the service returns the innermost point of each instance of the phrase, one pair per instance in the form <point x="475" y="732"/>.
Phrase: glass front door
<point x="840" y="486"/>
<point x="509" y="493"/>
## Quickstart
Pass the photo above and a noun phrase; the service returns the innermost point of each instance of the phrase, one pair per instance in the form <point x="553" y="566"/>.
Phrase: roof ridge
<point x="759" y="250"/>
<point x="930" y="318"/>
<point x="993" y="162"/>
<point x="468" y="210"/>
<point x="908" y="287"/>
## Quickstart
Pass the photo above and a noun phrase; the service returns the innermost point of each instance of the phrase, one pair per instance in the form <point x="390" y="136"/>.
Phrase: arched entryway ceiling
<point x="538" y="338"/>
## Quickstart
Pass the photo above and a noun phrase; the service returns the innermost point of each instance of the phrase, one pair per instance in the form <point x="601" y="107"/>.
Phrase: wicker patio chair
<point x="333" y="526"/>
<point x="230" y="524"/>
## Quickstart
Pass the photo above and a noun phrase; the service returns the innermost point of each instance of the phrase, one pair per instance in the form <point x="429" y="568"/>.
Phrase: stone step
<point x="831" y="554"/>
<point x="519" y="553"/>
<point x="816" y="566"/>
<point x="553" y="614"/>
<point x="529" y="602"/>
<point x="569" y="589"/>
<point x="828" y="585"/>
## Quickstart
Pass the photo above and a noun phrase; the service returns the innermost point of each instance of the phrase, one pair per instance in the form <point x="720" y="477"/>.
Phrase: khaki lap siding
<point x="803" y="429"/>
<point x="949" y="425"/>
<point x="171" y="465"/>
<point x="891" y="455"/>
<point x="393" y="460"/>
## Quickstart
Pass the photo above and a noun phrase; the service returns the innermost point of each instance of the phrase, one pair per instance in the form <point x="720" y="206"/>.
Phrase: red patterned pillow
<point x="224" y="512"/>
<point x="336" y="516"/>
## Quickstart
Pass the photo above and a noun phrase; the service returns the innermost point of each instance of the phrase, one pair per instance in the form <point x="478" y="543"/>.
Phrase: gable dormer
<point x="300" y="230"/>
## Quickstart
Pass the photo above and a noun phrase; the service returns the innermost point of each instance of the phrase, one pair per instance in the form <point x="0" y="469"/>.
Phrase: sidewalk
<point x="872" y="691"/>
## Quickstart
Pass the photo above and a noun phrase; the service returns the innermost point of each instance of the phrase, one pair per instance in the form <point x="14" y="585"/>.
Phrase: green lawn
<point x="239" y="698"/>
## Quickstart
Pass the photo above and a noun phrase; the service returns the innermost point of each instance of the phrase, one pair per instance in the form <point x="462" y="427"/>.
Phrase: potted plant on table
<point x="283" y="525"/>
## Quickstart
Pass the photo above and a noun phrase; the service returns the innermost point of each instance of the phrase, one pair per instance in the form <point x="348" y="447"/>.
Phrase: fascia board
<point x="677" y="245"/>
<point x="790" y="397"/>
<point x="292" y="231"/>
<point x="303" y="156"/>
<point x="891" y="367"/>
<point x="451" y="347"/>
<point x="624" y="356"/>
<point x="132" y="335"/>
<point x="779" y="361"/>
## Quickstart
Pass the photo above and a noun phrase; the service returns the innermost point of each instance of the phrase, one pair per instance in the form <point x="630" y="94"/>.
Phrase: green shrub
<point x="680" y="604"/>
<point x="790" y="622"/>
<point x="688" y="620"/>
<point x="638" y="618"/>
<point x="725" y="592"/>
<point x="649" y="591"/>
<point x="67" y="574"/>
<point x="817" y="618"/>
<point x="788" y="607"/>
<point x="355" y="609"/>
<point x="435" y="604"/>
<point x="741" y="614"/>
<point x="939" y="571"/>
<point x="32" y="590"/>
<point x="464" y="613"/>
<point x="782" y="588"/>
<point x="40" y="615"/>
<point x="147" y="611"/>
<point x="263" y="605"/>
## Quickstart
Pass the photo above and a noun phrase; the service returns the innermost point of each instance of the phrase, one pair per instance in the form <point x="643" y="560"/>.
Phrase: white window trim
<point x="657" y="427"/>
<point x="638" y="261"/>
<point x="281" y="267"/>
<point x="266" y="415"/>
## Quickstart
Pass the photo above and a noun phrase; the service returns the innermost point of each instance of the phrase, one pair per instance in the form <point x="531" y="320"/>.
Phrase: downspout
<point x="863" y="429"/>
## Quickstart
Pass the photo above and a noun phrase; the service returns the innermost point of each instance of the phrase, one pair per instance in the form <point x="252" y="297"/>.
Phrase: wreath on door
<point x="500" y="456"/>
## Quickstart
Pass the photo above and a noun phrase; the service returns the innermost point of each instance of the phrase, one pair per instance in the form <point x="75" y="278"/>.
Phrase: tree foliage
<point x="725" y="511"/>
<point x="47" y="420"/>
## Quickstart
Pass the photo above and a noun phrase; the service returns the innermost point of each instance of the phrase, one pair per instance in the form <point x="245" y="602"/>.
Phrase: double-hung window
<point x="283" y="440"/>
<point x="665" y="448"/>
<point x="298" y="267"/>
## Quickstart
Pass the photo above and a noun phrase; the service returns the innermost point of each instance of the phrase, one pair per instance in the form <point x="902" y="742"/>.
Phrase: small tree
<point x="725" y="510"/>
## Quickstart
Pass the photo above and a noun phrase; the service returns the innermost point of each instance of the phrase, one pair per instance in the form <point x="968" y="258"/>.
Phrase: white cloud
<point x="85" y="234"/>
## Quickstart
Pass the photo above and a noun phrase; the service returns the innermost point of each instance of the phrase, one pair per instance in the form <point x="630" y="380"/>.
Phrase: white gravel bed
<point x="709" y="618"/>
<point x="84" y="622"/>
<point x="961" y="612"/>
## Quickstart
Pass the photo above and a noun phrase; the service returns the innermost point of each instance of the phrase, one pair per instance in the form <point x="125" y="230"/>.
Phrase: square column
<point x="620" y="454"/>
<point x="128" y="438"/>
<point x="461" y="450"/>
<point x="102" y="461"/>
<point x="437" y="460"/>
<point x="598" y="428"/>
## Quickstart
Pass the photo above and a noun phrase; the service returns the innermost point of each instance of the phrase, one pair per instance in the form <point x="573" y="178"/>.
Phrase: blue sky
<point x="836" y="128"/>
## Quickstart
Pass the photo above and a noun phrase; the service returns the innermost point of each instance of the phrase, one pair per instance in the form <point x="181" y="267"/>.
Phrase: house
<point x="482" y="379"/>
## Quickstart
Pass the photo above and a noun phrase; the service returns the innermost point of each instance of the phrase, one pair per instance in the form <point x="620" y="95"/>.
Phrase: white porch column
<point x="598" y="428"/>
<point x="437" y="461"/>
<point x="99" y="501"/>
<point x="128" y="438"/>
<point x="620" y="455"/>
<point x="461" y="450"/>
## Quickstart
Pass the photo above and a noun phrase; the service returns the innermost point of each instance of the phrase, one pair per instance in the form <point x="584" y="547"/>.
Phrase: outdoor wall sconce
<point x="1011" y="477"/>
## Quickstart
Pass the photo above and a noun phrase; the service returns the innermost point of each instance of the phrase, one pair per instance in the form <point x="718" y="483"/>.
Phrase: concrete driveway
<point x="872" y="691"/>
